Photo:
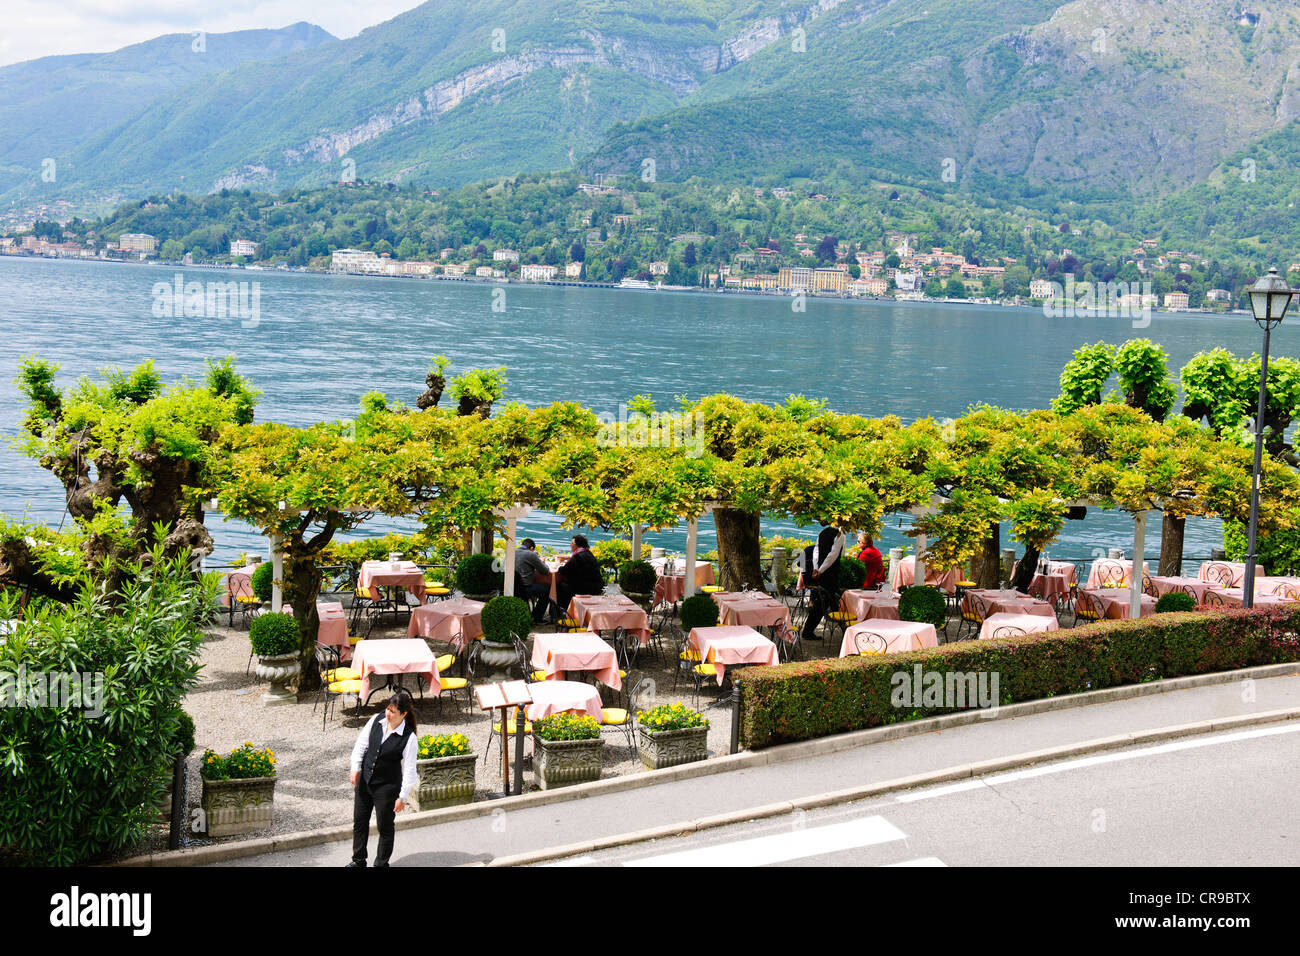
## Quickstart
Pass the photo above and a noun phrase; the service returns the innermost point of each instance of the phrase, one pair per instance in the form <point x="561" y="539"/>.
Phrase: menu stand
<point x="503" y="696"/>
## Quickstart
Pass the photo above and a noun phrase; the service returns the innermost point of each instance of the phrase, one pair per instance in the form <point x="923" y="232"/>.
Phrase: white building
<point x="907" y="281"/>
<point x="138" y="242"/>
<point x="537" y="272"/>
<point x="573" y="270"/>
<point x="354" y="260"/>
<point x="505" y="255"/>
<point x="243" y="247"/>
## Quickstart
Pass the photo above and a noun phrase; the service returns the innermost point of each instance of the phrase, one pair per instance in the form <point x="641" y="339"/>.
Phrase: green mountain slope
<point x="51" y="105"/>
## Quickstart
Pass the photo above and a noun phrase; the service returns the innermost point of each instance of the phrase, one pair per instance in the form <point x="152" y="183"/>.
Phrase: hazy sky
<point x="36" y="28"/>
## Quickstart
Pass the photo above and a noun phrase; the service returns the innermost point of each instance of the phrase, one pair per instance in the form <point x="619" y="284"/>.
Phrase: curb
<point x="854" y="794"/>
<point x="782" y="753"/>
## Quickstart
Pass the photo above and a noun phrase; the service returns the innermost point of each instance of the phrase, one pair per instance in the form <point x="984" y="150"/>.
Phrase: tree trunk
<point x="1171" y="545"/>
<point x="986" y="568"/>
<point x="738" y="548"/>
<point x="301" y="586"/>
<point x="1026" y="569"/>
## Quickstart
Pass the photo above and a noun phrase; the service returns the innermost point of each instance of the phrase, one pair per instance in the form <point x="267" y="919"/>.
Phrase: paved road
<point x="519" y="830"/>
<point x="1217" y="800"/>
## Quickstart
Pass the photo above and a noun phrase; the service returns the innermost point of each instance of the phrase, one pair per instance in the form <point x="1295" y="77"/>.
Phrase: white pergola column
<point x="1135" y="579"/>
<point x="475" y="541"/>
<point x="636" y="542"/>
<point x="692" y="532"/>
<point x="277" y="573"/>
<point x="512" y="515"/>
<point x="918" y="569"/>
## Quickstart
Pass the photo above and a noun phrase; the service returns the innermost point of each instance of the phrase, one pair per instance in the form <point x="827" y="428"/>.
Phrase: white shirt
<point x="409" y="753"/>
<point x="836" y="549"/>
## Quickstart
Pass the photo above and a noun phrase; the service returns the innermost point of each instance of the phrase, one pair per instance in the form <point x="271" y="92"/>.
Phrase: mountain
<point x="1103" y="103"/>
<point x="51" y="105"/>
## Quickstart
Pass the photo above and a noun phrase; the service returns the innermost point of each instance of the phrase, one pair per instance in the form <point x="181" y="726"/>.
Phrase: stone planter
<point x="500" y="658"/>
<point x="668" y="748"/>
<point x="238" y="806"/>
<point x="444" y="782"/>
<point x="559" y="763"/>
<point x="279" y="670"/>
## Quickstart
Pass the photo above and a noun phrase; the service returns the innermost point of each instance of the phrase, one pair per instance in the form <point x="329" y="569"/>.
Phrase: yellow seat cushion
<point x="437" y="590"/>
<point x="869" y="651"/>
<point x="345" y="687"/>
<point x="615" y="715"/>
<point x="245" y="599"/>
<point x="354" y="641"/>
<point x="690" y="655"/>
<point x="445" y="661"/>
<point x="706" y="670"/>
<point x="510" y="727"/>
<point x="537" y="675"/>
<point x="453" y="683"/>
<point x="844" y="616"/>
<point x="710" y="589"/>
<point x="965" y="584"/>
<point x="569" y="622"/>
<point x="342" y="673"/>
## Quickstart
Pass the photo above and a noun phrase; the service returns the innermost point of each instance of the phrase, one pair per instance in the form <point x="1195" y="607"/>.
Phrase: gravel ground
<point x="312" y="761"/>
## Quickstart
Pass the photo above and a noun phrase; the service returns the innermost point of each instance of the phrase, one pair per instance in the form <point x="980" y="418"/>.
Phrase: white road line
<point x="1011" y="776"/>
<point x="587" y="860"/>
<point x="921" y="861"/>
<point x="781" y="847"/>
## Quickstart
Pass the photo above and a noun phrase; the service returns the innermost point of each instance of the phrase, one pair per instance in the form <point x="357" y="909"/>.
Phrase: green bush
<point x="501" y="615"/>
<point x="261" y="582"/>
<point x="852" y="573"/>
<point x="804" y="700"/>
<point x="637" y="577"/>
<point x="566" y="726"/>
<point x="273" y="634"/>
<point x="699" y="610"/>
<point x="184" y="735"/>
<point x="1175" y="601"/>
<point x="1278" y="552"/>
<point x="79" y="782"/>
<point x="925" y="605"/>
<point x="475" y="575"/>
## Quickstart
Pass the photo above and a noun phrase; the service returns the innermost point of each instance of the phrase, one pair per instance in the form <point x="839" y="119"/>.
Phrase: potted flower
<point x="502" y="617"/>
<point x="275" y="642"/>
<point x="568" y="749"/>
<point x="445" y="766"/>
<point x="672" y="734"/>
<point x="238" y="790"/>
<point x="477" y="578"/>
<point x="637" y="579"/>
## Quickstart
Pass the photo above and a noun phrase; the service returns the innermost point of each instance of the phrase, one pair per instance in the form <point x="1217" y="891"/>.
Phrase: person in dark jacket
<point x="383" y="775"/>
<point x="822" y="572"/>
<point x="580" y="574"/>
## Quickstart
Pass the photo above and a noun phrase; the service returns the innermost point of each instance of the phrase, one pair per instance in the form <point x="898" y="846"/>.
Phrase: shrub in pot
<point x="445" y="768"/>
<point x="261" y="581"/>
<point x="699" y="610"/>
<point x="924" y="605"/>
<point x="568" y="749"/>
<point x="238" y="790"/>
<point x="671" y="734"/>
<point x="637" y="578"/>
<point x="476" y="578"/>
<point x="852" y="573"/>
<point x="503" y="615"/>
<point x="1175" y="601"/>
<point x="275" y="642"/>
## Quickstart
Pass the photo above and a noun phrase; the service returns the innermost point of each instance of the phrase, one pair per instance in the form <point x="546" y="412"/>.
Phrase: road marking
<point x="587" y="860"/>
<point x="921" y="861"/>
<point x="781" y="847"/>
<point x="1011" y="776"/>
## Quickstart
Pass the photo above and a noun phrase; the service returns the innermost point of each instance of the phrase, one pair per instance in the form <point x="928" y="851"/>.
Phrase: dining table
<point x="1171" y="584"/>
<point x="1226" y="573"/>
<point x="903" y="575"/>
<point x="731" y="646"/>
<point x="866" y="604"/>
<point x="559" y="696"/>
<point x="898" y="635"/>
<point x="333" y="628"/>
<point x="1115" y="601"/>
<point x="579" y="651"/>
<point x="391" y="657"/>
<point x="456" y="621"/>
<point x="1028" y="623"/>
<point x="1113" y="571"/>
<point x="671" y="588"/>
<point x="605" y="612"/>
<point x="753" y="609"/>
<point x="1007" y="600"/>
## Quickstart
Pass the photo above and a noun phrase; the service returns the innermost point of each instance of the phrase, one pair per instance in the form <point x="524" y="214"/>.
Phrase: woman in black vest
<point x="823" y="574"/>
<point x="383" y="773"/>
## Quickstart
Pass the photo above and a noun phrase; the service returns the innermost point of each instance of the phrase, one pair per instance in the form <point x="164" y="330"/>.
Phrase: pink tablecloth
<point x="556" y="696"/>
<point x="1232" y="597"/>
<point x="721" y="646"/>
<point x="238" y="584"/>
<point x="399" y="656"/>
<point x="377" y="574"/>
<point x="456" y="620"/>
<point x="671" y="588"/>
<point x="1050" y="586"/>
<point x="1266" y="585"/>
<point x="604" y="612"/>
<point x="333" y="628"/>
<point x="1019" y="605"/>
<point x="754" y="609"/>
<point x="870" y="605"/>
<point x="898" y="635"/>
<point x="1194" y="587"/>
<point x="583" y="651"/>
<point x="1110" y="570"/>
<point x="904" y="573"/>
<point x="1116" y="601"/>
<point x="1029" y="623"/>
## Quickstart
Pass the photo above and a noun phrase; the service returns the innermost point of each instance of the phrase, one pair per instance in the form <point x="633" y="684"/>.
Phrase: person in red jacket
<point x="869" y="555"/>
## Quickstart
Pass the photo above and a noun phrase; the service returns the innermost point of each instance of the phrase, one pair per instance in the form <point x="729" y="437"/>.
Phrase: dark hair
<point x="581" y="540"/>
<point x="528" y="543"/>
<point x="405" y="706"/>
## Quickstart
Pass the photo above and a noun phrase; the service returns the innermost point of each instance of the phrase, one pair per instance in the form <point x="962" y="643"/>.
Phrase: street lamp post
<point x="1269" y="298"/>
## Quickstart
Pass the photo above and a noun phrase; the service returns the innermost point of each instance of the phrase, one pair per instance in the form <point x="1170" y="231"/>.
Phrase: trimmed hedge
<point x="1175" y="601"/>
<point x="853" y="573"/>
<point x="476" y="574"/>
<point x="924" y="604"/>
<point x="637" y="577"/>
<point x="260" y="582"/>
<point x="699" y="610"/>
<point x="804" y="700"/>
<point x="273" y="634"/>
<point x="503" y="615"/>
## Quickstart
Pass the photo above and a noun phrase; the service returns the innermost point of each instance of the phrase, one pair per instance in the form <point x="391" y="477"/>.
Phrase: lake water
<point x="323" y="341"/>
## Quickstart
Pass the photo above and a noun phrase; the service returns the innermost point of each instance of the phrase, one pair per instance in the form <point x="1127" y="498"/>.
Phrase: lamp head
<point x="1269" y="298"/>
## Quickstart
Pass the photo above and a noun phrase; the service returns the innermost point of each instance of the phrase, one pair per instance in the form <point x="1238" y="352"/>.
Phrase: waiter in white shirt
<point x="825" y="577"/>
<point x="383" y="774"/>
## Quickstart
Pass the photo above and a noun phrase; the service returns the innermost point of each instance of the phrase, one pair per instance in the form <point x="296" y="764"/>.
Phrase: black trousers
<point x="817" y="610"/>
<point x="542" y="591"/>
<point x="380" y="799"/>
